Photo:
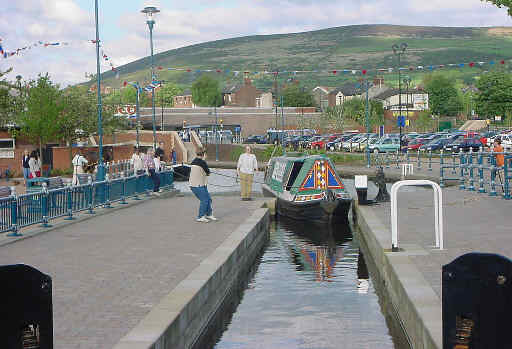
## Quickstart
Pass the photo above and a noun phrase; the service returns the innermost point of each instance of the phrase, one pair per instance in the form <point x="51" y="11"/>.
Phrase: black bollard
<point x="477" y="302"/>
<point x="26" y="296"/>
<point x="380" y="180"/>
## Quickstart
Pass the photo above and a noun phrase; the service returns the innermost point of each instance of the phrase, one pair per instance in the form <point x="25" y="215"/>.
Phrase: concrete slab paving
<point x="473" y="222"/>
<point x="110" y="271"/>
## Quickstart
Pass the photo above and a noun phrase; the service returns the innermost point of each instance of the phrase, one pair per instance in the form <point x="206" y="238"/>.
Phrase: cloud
<point x="25" y="21"/>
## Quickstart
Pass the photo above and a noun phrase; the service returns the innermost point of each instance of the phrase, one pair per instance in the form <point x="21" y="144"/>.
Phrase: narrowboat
<point x="307" y="188"/>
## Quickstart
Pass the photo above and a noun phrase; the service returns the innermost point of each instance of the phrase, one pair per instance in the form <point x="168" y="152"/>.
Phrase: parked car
<point x="436" y="144"/>
<point x="415" y="144"/>
<point x="320" y="143"/>
<point x="362" y="145"/>
<point x="465" y="144"/>
<point x="390" y="144"/>
<point x="256" y="139"/>
<point x="506" y="142"/>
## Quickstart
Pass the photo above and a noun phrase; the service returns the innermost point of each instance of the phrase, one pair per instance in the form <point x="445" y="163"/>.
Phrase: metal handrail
<point x="438" y="211"/>
<point x="18" y="211"/>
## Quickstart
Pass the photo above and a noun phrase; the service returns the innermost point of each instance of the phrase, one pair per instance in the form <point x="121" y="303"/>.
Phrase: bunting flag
<point x="475" y="64"/>
<point x="7" y="54"/>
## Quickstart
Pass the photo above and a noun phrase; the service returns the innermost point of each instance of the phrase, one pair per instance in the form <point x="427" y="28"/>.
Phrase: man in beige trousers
<point x="247" y="165"/>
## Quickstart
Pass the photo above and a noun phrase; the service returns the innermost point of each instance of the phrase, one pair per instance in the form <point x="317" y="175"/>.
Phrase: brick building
<point x="184" y="100"/>
<point x="241" y="95"/>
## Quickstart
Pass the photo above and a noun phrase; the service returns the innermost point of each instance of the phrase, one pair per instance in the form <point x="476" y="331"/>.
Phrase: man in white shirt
<point x="247" y="165"/>
<point x="136" y="162"/>
<point x="78" y="166"/>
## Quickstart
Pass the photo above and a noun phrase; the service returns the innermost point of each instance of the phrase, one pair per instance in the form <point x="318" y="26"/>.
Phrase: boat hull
<point x="319" y="211"/>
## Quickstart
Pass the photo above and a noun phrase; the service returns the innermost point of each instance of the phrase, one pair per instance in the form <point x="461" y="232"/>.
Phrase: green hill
<point x="350" y="47"/>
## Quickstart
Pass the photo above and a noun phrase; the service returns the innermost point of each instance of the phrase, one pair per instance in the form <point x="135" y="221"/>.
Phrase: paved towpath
<point x="109" y="271"/>
<point x="473" y="222"/>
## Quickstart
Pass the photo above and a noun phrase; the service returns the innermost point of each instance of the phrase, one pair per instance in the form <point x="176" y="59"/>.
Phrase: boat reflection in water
<point x="309" y="289"/>
<point x="314" y="247"/>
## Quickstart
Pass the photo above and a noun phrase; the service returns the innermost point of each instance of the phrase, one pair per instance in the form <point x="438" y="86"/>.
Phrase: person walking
<point x="25" y="166"/>
<point x="34" y="164"/>
<point x="173" y="156"/>
<point x="247" y="165"/>
<point x="149" y="166"/>
<point x="198" y="181"/>
<point x="136" y="162"/>
<point x="78" y="166"/>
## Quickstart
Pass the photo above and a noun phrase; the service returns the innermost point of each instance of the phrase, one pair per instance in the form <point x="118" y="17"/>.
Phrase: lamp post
<point x="216" y="131"/>
<point x="367" y="119"/>
<point x="149" y="11"/>
<point x="398" y="51"/>
<point x="100" y="173"/>
<point x="407" y="82"/>
<point x="137" y="113"/>
<point x="162" y="105"/>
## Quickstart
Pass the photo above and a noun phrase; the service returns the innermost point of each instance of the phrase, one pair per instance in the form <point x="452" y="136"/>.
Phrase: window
<point x="297" y="166"/>
<point x="7" y="143"/>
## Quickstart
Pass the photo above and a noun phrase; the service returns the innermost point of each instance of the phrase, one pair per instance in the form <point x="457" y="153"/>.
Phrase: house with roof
<point x="241" y="95"/>
<point x="414" y="100"/>
<point x="320" y="95"/>
<point x="184" y="100"/>
<point x="340" y="95"/>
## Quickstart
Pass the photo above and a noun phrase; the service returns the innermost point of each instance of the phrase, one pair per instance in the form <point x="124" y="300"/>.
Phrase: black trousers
<point x="156" y="179"/>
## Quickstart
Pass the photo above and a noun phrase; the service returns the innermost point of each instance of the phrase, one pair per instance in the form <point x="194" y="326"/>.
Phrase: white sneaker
<point x="212" y="218"/>
<point x="202" y="219"/>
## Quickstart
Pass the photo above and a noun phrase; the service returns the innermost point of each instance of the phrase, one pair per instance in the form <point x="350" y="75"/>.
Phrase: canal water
<point x="310" y="288"/>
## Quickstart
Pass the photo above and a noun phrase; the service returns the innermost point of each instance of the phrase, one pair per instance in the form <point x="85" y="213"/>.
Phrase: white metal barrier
<point x="438" y="211"/>
<point x="407" y="169"/>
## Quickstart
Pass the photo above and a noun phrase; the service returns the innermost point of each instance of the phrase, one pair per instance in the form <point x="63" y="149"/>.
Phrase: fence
<point x="39" y="208"/>
<point x="474" y="171"/>
<point x="115" y="168"/>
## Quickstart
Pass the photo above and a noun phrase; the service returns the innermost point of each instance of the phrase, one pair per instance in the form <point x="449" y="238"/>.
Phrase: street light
<point x="100" y="173"/>
<point x="398" y="51"/>
<point x="138" y="89"/>
<point x="149" y="11"/>
<point x="407" y="82"/>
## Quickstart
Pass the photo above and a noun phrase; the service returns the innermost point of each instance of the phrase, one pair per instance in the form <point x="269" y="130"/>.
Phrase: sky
<point x="125" y="36"/>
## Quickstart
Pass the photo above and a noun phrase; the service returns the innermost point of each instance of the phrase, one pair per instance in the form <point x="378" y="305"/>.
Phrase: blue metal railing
<point x="39" y="208"/>
<point x="472" y="170"/>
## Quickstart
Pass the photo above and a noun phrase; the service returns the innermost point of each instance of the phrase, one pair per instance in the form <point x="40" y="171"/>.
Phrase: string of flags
<point x="153" y="85"/>
<point x="7" y="54"/>
<point x="344" y="71"/>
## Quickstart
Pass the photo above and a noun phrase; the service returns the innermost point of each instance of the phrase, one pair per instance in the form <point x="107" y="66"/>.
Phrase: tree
<point x="39" y="123"/>
<point x="495" y="94"/>
<point x="12" y="99"/>
<point x="129" y="96"/>
<point x="78" y="115"/>
<point x="206" y="92"/>
<point x="165" y="94"/>
<point x="424" y="121"/>
<point x="335" y="117"/>
<point x="444" y="98"/>
<point x="295" y="96"/>
<point x="503" y="3"/>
